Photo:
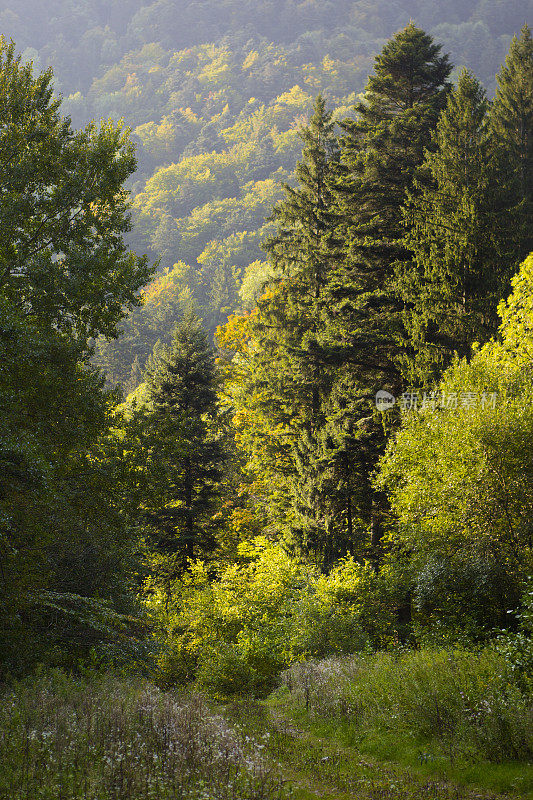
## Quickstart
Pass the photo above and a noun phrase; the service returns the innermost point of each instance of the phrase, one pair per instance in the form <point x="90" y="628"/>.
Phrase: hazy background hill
<point x="214" y="92"/>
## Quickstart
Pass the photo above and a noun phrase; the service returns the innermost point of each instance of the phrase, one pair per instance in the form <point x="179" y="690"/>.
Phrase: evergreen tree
<point x="303" y="252"/>
<point x="457" y="230"/>
<point x="183" y="455"/>
<point x="381" y="151"/>
<point x="512" y="130"/>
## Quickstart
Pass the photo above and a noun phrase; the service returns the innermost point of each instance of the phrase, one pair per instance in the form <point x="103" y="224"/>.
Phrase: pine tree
<point x="184" y="457"/>
<point x="381" y="151"/>
<point x="512" y="129"/>
<point x="457" y="231"/>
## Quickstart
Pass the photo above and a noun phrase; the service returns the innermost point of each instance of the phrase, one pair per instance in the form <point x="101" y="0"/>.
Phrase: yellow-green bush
<point x="237" y="633"/>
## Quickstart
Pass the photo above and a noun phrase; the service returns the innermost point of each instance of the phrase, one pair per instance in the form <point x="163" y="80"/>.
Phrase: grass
<point x="104" y="738"/>
<point x="318" y="765"/>
<point x="440" y="716"/>
<point x="431" y="725"/>
<point x="418" y="759"/>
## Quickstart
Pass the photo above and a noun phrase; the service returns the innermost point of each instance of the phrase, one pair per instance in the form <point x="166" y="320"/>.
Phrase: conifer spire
<point x="381" y="151"/>
<point x="512" y="127"/>
<point x="185" y="457"/>
<point x="303" y="252"/>
<point x="459" y="267"/>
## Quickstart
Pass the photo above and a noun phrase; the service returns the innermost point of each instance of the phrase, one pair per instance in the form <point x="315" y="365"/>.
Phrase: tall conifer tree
<point x="184" y="458"/>
<point x="457" y="231"/>
<point x="303" y="252"/>
<point x="512" y="129"/>
<point x="381" y="151"/>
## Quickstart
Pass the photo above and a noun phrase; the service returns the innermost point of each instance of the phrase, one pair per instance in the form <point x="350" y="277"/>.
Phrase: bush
<point x="517" y="647"/>
<point x="237" y="634"/>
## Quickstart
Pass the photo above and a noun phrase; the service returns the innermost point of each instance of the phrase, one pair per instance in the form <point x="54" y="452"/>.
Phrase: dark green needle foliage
<point x="184" y="455"/>
<point x="381" y="150"/>
<point x="457" y="230"/>
<point x="512" y="130"/>
<point x="303" y="251"/>
<point x="469" y="217"/>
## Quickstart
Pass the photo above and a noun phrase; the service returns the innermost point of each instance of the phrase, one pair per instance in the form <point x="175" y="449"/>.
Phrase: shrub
<point x="517" y="647"/>
<point x="236" y="634"/>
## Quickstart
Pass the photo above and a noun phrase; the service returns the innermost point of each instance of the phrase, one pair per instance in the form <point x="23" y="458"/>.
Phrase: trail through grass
<point x="317" y="764"/>
<point x="107" y="738"/>
<point x="66" y="738"/>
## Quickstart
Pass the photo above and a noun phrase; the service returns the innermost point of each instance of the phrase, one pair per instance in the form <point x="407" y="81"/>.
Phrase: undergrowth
<point x="104" y="738"/>
<point x="467" y="703"/>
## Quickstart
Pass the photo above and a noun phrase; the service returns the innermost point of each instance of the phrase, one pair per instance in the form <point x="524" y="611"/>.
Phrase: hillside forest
<point x="266" y="334"/>
<point x="214" y="94"/>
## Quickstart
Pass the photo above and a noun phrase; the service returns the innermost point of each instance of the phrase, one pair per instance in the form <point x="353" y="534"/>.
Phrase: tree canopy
<point x="66" y="276"/>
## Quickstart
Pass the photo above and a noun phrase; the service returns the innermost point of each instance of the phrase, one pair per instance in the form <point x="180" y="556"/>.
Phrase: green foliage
<point x="193" y="82"/>
<point x="388" y="249"/>
<point x="517" y="647"/>
<point x="287" y="329"/>
<point x="463" y="706"/>
<point x="516" y="313"/>
<point x="263" y="612"/>
<point x="66" y="517"/>
<point x="381" y="151"/>
<point x="512" y="119"/>
<point x="460" y="475"/>
<point x="62" y="254"/>
<point x="460" y="488"/>
<point x="178" y="451"/>
<point x="212" y="94"/>
<point x="329" y="332"/>
<point x="458" y="233"/>
<point x="67" y="527"/>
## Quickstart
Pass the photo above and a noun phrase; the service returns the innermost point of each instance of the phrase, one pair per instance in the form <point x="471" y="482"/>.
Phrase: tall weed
<point x="466" y="702"/>
<point x="105" y="739"/>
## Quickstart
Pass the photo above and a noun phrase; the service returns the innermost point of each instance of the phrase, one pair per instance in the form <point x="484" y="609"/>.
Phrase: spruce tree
<point x="381" y="151"/>
<point x="457" y="232"/>
<point x="512" y="130"/>
<point x="184" y="457"/>
<point x="295" y="378"/>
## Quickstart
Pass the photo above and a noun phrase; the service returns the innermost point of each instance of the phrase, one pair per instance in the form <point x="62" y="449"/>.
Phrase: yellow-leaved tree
<point x="460" y="479"/>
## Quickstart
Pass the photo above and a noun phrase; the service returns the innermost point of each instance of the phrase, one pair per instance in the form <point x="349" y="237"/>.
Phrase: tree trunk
<point x="189" y="545"/>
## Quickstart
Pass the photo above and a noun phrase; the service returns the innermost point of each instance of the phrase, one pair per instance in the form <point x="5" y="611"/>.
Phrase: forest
<point x="266" y="441"/>
<point x="214" y="93"/>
